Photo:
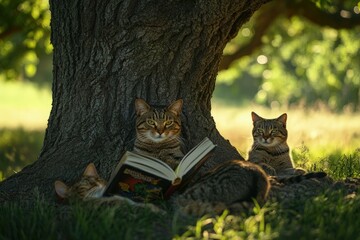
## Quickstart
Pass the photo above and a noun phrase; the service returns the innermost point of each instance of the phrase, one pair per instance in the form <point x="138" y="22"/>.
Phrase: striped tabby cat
<point x="232" y="185"/>
<point x="158" y="132"/>
<point x="90" y="187"/>
<point x="271" y="151"/>
<point x="158" y="135"/>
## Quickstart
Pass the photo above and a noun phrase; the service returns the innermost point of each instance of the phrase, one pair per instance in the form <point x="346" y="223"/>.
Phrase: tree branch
<point x="308" y="10"/>
<point x="271" y="11"/>
<point x="267" y="15"/>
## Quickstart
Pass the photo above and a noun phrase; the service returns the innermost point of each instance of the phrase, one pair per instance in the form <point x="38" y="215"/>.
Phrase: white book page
<point x="152" y="165"/>
<point x="149" y="164"/>
<point x="194" y="156"/>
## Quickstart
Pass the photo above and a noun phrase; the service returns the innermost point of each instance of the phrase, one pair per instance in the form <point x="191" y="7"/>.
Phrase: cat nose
<point x="267" y="139"/>
<point x="160" y="131"/>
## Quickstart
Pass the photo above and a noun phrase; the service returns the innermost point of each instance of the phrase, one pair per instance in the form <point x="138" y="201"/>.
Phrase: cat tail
<point x="299" y="178"/>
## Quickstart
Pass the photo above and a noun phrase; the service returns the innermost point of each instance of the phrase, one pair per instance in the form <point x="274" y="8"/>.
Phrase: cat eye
<point x="274" y="131"/>
<point x="259" y="130"/>
<point x="150" y="122"/>
<point x="169" y="123"/>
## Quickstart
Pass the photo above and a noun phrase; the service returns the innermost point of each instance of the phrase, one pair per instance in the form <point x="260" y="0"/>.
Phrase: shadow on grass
<point x="330" y="215"/>
<point x="18" y="148"/>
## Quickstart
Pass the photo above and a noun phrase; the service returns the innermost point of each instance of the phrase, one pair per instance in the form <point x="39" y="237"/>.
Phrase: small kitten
<point x="271" y="151"/>
<point x="232" y="185"/>
<point x="90" y="187"/>
<point x="158" y="132"/>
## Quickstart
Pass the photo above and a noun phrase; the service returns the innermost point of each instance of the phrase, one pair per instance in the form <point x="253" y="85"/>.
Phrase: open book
<point x="144" y="178"/>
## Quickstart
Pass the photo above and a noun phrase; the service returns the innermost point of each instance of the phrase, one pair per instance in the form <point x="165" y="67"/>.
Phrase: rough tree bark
<point x="107" y="53"/>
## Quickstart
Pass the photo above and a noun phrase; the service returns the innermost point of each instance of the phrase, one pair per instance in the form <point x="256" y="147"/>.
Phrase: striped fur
<point x="90" y="185"/>
<point x="158" y="131"/>
<point x="271" y="151"/>
<point x="233" y="185"/>
<point x="300" y="178"/>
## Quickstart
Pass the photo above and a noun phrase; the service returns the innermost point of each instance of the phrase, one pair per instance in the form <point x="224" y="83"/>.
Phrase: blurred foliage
<point x="24" y="38"/>
<point x="18" y="148"/>
<point x="315" y="62"/>
<point x="298" y="63"/>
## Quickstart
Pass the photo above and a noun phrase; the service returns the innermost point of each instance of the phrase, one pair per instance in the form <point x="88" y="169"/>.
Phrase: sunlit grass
<point x="24" y="105"/>
<point x="314" y="133"/>
<point x="227" y="226"/>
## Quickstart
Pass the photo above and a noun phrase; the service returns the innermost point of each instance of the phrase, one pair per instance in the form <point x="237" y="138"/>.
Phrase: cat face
<point x="90" y="185"/>
<point x="158" y="125"/>
<point x="269" y="132"/>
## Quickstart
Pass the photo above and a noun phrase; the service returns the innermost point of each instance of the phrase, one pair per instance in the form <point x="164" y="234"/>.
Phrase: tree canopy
<point x="313" y="51"/>
<point x="24" y="37"/>
<point x="311" y="45"/>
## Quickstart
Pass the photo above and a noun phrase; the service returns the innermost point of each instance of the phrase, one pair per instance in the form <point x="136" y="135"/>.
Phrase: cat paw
<point x="268" y="169"/>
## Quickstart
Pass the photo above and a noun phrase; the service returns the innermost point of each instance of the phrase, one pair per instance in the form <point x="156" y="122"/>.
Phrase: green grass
<point x="44" y="220"/>
<point x="328" y="216"/>
<point x="24" y="110"/>
<point x="18" y="148"/>
<point x="24" y="105"/>
<point x="336" y="163"/>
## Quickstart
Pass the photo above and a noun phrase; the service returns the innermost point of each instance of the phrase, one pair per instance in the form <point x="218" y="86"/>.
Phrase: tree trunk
<point x="107" y="53"/>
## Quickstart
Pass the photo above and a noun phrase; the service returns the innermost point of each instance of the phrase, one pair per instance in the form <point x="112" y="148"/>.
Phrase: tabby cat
<point x="271" y="151"/>
<point x="158" y="135"/>
<point x="232" y="185"/>
<point x="90" y="187"/>
<point x="158" y="132"/>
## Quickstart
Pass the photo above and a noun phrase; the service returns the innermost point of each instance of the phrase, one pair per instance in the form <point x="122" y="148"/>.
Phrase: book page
<point x="150" y="165"/>
<point x="194" y="156"/>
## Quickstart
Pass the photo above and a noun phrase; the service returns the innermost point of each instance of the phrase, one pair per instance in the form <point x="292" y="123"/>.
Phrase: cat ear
<point x="255" y="117"/>
<point x="176" y="107"/>
<point x="61" y="189"/>
<point x="141" y="106"/>
<point x="90" y="171"/>
<point x="282" y="119"/>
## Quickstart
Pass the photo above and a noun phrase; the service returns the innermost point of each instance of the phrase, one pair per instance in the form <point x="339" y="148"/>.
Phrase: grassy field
<point x="23" y="105"/>
<point x="317" y="137"/>
<point x="24" y="111"/>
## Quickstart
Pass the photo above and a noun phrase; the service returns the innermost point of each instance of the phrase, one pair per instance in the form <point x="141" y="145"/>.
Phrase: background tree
<point x="164" y="51"/>
<point x="157" y="50"/>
